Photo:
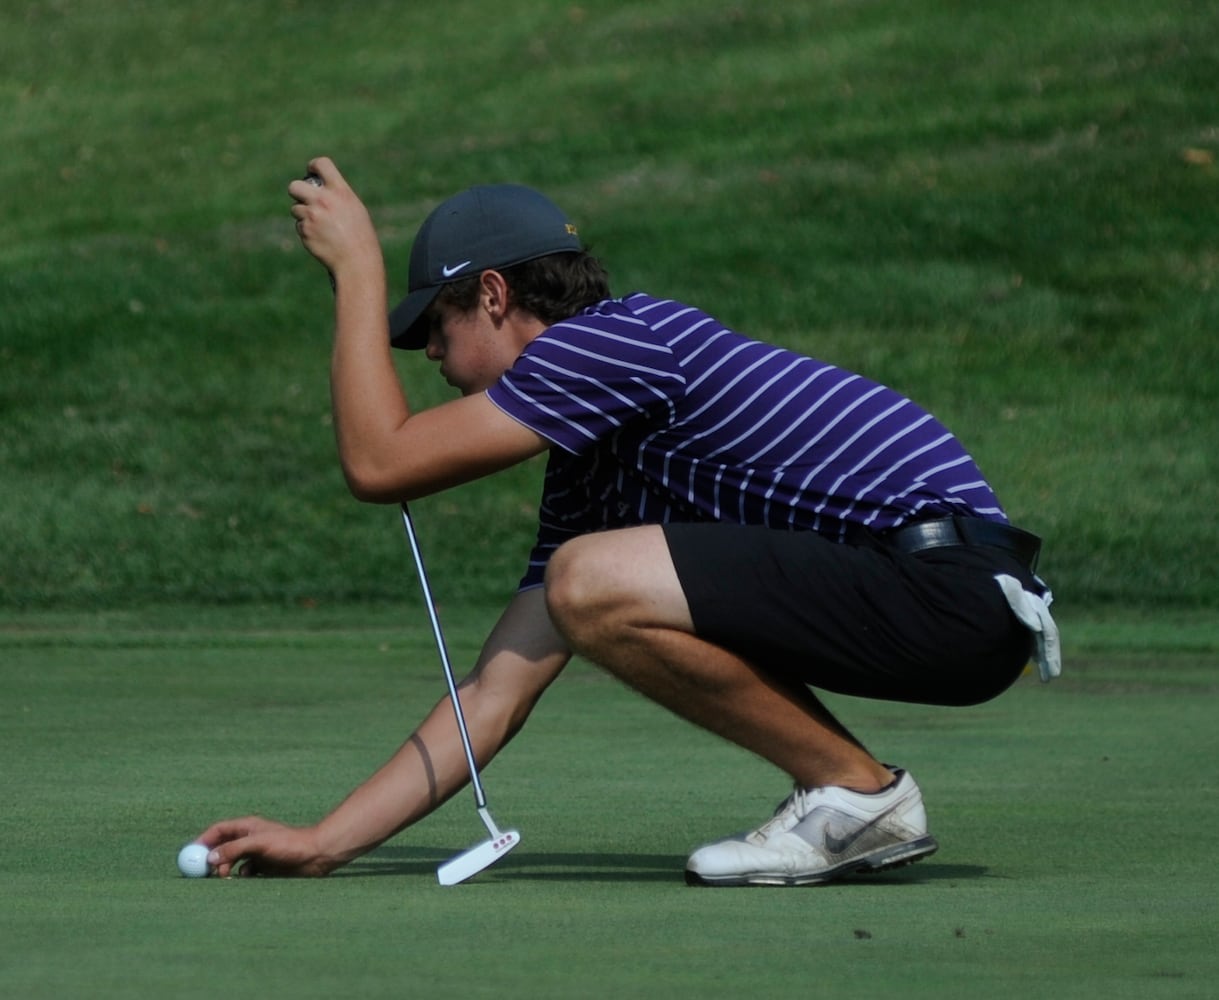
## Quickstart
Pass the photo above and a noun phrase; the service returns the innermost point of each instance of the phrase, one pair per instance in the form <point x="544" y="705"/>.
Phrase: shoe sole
<point x="880" y="860"/>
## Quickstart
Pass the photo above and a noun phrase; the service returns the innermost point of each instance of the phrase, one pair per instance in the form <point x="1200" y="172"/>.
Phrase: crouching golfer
<point x="724" y="525"/>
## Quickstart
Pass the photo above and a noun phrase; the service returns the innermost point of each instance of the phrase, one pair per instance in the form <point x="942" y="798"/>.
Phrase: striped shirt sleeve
<point x="586" y="378"/>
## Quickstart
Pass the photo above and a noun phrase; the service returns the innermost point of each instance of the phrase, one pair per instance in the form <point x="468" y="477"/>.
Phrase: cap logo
<point x="448" y="272"/>
<point x="571" y="230"/>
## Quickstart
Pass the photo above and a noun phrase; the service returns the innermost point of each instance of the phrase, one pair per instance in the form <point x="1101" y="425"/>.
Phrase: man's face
<point x="472" y="351"/>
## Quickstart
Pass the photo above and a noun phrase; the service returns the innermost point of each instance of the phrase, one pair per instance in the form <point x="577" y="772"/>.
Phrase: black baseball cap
<point x="488" y="226"/>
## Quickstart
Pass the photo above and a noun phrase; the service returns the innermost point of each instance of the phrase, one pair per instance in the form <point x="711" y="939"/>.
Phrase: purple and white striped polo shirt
<point x="659" y="413"/>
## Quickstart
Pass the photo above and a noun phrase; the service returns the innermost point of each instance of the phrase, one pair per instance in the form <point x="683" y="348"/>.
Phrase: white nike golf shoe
<point x="820" y="834"/>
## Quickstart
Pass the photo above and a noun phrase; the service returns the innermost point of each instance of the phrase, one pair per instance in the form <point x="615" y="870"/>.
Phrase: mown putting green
<point x="1073" y="820"/>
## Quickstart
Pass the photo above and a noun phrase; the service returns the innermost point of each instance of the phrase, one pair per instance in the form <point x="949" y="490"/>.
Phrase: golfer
<point x="726" y="526"/>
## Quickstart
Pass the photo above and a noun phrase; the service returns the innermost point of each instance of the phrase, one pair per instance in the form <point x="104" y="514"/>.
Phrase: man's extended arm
<point x="520" y="658"/>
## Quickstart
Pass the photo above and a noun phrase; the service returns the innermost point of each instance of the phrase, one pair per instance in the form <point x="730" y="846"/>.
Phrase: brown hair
<point x="552" y="288"/>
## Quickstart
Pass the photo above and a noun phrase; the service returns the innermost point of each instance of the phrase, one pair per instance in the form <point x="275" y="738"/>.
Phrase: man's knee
<point x="559" y="581"/>
<point x="605" y="583"/>
<point x="572" y="594"/>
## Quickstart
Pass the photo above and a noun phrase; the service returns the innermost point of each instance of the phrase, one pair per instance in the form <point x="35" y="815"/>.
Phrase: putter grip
<point x="316" y="181"/>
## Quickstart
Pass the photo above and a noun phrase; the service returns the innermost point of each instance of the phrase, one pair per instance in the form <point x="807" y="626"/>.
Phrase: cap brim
<point x="408" y="327"/>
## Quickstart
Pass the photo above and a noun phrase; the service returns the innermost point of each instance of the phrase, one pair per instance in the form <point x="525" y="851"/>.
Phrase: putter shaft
<point x="469" y="863"/>
<point x="479" y="797"/>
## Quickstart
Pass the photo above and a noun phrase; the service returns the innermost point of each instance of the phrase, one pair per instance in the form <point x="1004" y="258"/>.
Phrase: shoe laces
<point x="788" y="812"/>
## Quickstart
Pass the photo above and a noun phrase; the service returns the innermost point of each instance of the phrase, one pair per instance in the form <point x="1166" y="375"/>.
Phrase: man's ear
<point x="494" y="295"/>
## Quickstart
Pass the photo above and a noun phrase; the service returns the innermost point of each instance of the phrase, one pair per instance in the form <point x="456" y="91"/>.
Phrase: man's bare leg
<point x="616" y="599"/>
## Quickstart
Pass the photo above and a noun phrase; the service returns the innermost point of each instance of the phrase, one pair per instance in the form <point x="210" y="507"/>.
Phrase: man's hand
<point x="257" y="846"/>
<point x="332" y="222"/>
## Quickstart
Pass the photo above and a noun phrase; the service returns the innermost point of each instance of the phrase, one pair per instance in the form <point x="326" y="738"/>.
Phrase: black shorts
<point x="860" y="619"/>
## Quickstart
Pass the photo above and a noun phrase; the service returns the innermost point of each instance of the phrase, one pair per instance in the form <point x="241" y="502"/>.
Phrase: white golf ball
<point x="192" y="861"/>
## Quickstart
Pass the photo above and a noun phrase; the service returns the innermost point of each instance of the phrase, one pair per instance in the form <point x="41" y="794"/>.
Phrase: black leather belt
<point x="946" y="531"/>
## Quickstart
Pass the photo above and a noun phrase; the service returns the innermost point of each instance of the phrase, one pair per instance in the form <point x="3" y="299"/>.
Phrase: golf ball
<point x="192" y="861"/>
<point x="314" y="179"/>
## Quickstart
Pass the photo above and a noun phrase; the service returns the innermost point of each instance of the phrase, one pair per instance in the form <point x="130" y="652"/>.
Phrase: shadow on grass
<point x="603" y="867"/>
<point x="522" y="865"/>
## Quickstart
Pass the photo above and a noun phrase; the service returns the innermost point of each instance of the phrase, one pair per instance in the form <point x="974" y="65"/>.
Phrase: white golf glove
<point x="1034" y="614"/>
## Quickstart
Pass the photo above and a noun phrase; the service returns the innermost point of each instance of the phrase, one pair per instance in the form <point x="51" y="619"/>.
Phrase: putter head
<point x="469" y="863"/>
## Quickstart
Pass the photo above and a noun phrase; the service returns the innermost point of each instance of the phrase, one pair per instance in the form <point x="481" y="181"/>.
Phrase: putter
<point x="316" y="181"/>
<point x="500" y="842"/>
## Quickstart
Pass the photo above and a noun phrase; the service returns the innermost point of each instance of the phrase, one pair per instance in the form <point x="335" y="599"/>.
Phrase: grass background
<point x="1007" y="213"/>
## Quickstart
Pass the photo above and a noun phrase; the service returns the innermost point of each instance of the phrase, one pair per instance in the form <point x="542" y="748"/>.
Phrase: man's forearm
<point x="423" y="773"/>
<point x="367" y="399"/>
<point x="521" y="657"/>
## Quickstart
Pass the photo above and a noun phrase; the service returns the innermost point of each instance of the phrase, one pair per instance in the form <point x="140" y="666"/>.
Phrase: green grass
<point x="1074" y="821"/>
<point x="1005" y="214"/>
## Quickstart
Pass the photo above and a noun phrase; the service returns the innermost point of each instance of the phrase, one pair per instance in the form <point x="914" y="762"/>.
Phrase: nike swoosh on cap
<point x="448" y="272"/>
